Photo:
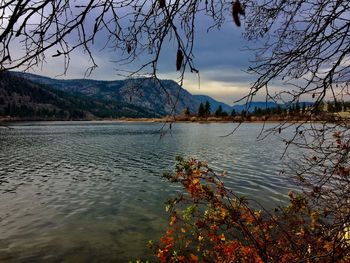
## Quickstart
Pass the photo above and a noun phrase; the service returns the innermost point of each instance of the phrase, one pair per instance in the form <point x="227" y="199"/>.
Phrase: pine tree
<point x="278" y="110"/>
<point x="218" y="112"/>
<point x="201" y="110"/>
<point x="187" y="111"/>
<point x="297" y="108"/>
<point x="303" y="108"/>
<point x="207" y="109"/>
<point x="233" y="113"/>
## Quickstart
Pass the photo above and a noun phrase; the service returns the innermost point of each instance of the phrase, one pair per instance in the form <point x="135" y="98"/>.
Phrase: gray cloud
<point x="219" y="56"/>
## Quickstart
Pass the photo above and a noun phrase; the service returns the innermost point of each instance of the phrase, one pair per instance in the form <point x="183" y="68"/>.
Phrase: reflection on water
<point x="93" y="192"/>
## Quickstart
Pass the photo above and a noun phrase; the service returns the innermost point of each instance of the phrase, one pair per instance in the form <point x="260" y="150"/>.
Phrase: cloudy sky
<point x="220" y="56"/>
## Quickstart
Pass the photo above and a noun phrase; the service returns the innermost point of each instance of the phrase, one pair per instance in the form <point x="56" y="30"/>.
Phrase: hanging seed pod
<point x="236" y="19"/>
<point x="128" y="48"/>
<point x="179" y="59"/>
<point x="161" y="3"/>
<point x="236" y="11"/>
<point x="239" y="8"/>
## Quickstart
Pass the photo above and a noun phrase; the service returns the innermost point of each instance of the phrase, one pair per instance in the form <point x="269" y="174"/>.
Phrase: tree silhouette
<point x="303" y="108"/>
<point x="201" y="110"/>
<point x="297" y="108"/>
<point x="218" y="112"/>
<point x="207" y="109"/>
<point x="233" y="113"/>
<point x="187" y="111"/>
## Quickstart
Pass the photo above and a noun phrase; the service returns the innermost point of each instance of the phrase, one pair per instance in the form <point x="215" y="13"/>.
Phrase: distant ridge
<point x="24" y="99"/>
<point x="140" y="92"/>
<point x="143" y="93"/>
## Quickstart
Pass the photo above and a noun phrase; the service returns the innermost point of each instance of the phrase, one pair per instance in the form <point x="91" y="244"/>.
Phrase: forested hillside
<point x="24" y="99"/>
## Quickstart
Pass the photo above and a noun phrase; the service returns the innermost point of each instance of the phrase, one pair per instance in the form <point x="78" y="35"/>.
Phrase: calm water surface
<point x="93" y="192"/>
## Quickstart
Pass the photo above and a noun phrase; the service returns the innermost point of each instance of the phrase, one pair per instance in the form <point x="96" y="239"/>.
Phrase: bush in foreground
<point x="209" y="223"/>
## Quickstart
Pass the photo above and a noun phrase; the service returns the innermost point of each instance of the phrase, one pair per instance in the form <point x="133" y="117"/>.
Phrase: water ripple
<point x="71" y="190"/>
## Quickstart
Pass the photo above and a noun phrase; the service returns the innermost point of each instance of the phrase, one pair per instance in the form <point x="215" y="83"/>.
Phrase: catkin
<point x="179" y="59"/>
<point x="161" y="3"/>
<point x="236" y="11"/>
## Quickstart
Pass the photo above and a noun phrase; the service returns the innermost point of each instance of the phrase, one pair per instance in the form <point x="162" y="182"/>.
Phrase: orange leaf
<point x="194" y="258"/>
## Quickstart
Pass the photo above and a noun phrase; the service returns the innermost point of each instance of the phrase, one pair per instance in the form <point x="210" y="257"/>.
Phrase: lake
<point x="93" y="191"/>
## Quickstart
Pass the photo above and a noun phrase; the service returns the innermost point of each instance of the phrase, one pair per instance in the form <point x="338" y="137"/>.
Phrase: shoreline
<point x="237" y="119"/>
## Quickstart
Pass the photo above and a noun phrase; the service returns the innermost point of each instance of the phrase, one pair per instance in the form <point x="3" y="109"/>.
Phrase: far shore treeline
<point x="326" y="111"/>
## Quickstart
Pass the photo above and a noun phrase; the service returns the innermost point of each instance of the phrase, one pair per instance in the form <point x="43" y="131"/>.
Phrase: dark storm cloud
<point x="219" y="56"/>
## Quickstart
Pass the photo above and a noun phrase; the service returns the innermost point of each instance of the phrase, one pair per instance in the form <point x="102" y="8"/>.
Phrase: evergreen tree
<point x="284" y="111"/>
<point x="258" y="111"/>
<point x="218" y="112"/>
<point x="278" y="110"/>
<point x="207" y="109"/>
<point x="201" y="110"/>
<point x="291" y="109"/>
<point x="330" y="107"/>
<point x="303" y="108"/>
<point x="297" y="108"/>
<point x="338" y="105"/>
<point x="268" y="111"/>
<point x="187" y="111"/>
<point x="255" y="112"/>
<point x="233" y="113"/>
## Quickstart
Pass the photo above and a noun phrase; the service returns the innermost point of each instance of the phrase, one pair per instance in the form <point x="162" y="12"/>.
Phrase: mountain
<point x="138" y="97"/>
<point x="255" y="104"/>
<point x="214" y="104"/>
<point x="142" y="92"/>
<point x="21" y="97"/>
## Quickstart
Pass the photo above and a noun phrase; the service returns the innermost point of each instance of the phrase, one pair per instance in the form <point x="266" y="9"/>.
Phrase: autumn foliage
<point x="209" y="223"/>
